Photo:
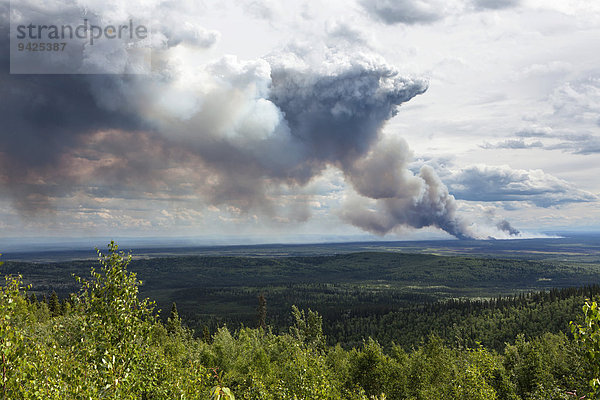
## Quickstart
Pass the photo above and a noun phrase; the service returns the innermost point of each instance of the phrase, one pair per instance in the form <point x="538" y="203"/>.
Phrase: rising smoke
<point x="229" y="131"/>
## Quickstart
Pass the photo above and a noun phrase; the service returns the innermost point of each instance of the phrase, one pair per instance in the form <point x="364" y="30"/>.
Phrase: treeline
<point x="460" y="322"/>
<point x="492" y="322"/>
<point x="393" y="317"/>
<point x="106" y="342"/>
<point x="390" y="314"/>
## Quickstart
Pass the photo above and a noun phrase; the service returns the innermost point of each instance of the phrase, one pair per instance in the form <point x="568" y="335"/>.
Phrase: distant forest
<point x="391" y="297"/>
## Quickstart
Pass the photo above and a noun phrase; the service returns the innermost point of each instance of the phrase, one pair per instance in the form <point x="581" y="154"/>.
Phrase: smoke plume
<point x="229" y="132"/>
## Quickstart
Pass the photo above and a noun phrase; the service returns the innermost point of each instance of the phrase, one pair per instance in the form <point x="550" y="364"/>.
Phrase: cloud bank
<point x="412" y="12"/>
<point x="405" y="11"/>
<point x="502" y="183"/>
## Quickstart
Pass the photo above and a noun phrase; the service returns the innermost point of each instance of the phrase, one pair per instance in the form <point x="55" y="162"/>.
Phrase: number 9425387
<point x="29" y="46"/>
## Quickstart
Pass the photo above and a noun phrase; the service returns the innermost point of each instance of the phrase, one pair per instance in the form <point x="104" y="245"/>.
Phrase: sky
<point x="302" y="120"/>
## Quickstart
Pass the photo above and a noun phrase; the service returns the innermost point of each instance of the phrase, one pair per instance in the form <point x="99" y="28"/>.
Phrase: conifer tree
<point x="173" y="322"/>
<point x="54" y="304"/>
<point x="262" y="312"/>
<point x="206" y="334"/>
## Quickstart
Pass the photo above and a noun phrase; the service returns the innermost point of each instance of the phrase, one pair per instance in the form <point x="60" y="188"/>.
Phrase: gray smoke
<point x="339" y="116"/>
<point x="230" y="132"/>
<point x="505" y="226"/>
<point x="339" y="119"/>
<point x="399" y="198"/>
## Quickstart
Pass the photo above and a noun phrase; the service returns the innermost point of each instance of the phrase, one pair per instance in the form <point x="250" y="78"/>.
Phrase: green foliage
<point x="107" y="342"/>
<point x="308" y="327"/>
<point x="544" y="366"/>
<point x="220" y="392"/>
<point x="173" y="324"/>
<point x="114" y="328"/>
<point x="373" y="371"/>
<point x="108" y="346"/>
<point x="12" y="340"/>
<point x="588" y="334"/>
<point x="54" y="304"/>
<point x="391" y="297"/>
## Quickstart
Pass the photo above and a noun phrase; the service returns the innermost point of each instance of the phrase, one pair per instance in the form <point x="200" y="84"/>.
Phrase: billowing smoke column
<point x="230" y="132"/>
<point x="505" y="226"/>
<point x="339" y="118"/>
<point x="338" y="115"/>
<point x="397" y="197"/>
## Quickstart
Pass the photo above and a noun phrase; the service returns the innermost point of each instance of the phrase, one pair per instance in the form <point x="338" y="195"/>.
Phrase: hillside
<point x="363" y="293"/>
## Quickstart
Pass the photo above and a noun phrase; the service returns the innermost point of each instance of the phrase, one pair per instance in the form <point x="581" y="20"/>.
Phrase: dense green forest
<point x="392" y="297"/>
<point x="105" y="341"/>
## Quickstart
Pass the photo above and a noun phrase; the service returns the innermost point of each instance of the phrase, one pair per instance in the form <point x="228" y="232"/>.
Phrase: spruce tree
<point x="54" y="304"/>
<point x="206" y="334"/>
<point x="262" y="312"/>
<point x="173" y="322"/>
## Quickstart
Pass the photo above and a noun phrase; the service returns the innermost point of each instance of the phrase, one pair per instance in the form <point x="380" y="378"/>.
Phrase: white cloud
<point x="504" y="184"/>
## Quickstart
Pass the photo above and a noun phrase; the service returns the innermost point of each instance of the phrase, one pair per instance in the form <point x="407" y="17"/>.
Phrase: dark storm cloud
<point x="49" y="123"/>
<point x="327" y="118"/>
<point x="43" y="115"/>
<point x="485" y="183"/>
